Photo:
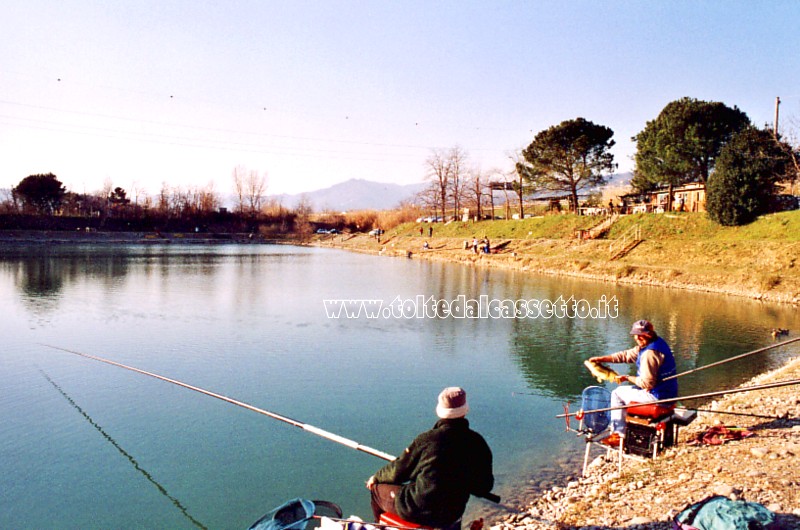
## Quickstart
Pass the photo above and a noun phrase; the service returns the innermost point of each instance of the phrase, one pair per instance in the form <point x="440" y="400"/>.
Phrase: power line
<point x="224" y="145"/>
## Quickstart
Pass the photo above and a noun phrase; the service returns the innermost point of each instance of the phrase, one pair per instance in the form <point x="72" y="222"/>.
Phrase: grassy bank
<point x="784" y="226"/>
<point x="676" y="250"/>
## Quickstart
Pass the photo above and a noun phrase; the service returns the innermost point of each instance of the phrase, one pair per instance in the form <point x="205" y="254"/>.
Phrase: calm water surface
<point x="87" y="445"/>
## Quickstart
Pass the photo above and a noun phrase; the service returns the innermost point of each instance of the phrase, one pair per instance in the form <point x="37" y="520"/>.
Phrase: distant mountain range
<point x="619" y="180"/>
<point x="360" y="194"/>
<point x="353" y="194"/>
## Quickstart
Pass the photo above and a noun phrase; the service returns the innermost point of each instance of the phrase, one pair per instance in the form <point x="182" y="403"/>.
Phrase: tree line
<point x="741" y="165"/>
<point x="191" y="208"/>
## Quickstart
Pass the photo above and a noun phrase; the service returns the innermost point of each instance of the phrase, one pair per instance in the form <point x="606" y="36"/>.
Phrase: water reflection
<point x="701" y="328"/>
<point x="39" y="278"/>
<point x="548" y="365"/>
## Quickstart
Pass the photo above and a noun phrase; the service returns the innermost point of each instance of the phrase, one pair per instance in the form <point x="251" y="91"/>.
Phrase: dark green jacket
<point x="438" y="472"/>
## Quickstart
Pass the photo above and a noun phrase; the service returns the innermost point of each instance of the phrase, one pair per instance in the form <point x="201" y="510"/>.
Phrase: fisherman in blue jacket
<point x="430" y="483"/>
<point x="654" y="362"/>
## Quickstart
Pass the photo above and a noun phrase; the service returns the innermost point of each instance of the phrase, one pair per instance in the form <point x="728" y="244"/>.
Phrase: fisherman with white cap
<point x="654" y="363"/>
<point x="430" y="483"/>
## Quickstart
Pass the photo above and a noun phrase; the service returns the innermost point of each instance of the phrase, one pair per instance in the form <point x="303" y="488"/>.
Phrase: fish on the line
<point x="601" y="372"/>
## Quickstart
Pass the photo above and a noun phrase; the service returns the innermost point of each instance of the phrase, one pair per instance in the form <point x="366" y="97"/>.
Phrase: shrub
<point x="745" y="178"/>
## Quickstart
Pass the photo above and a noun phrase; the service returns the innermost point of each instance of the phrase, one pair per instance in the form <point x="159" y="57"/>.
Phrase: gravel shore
<point x="763" y="468"/>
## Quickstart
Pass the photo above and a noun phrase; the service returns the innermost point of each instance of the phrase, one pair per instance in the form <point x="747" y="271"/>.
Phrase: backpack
<point x="721" y="513"/>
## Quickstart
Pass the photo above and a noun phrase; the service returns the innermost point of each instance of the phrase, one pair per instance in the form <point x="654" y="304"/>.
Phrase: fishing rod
<point x="770" y="347"/>
<point x="688" y="398"/>
<point x="737" y="414"/>
<point x="305" y="426"/>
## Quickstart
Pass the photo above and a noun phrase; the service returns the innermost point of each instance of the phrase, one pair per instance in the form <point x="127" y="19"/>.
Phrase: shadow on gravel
<point x="777" y="423"/>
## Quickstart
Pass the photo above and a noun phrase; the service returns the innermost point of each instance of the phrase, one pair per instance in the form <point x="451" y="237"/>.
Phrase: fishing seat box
<point x="652" y="428"/>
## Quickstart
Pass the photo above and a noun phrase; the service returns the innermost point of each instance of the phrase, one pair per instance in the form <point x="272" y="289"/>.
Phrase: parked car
<point x="376" y="232"/>
<point x="334" y="231"/>
<point x="322" y="231"/>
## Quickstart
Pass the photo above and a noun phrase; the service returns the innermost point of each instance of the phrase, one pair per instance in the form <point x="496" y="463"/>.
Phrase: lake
<point x="88" y="445"/>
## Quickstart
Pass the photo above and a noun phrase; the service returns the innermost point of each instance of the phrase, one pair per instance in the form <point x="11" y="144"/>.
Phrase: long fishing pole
<point x="763" y="416"/>
<point x="737" y="357"/>
<point x="688" y="398"/>
<point x="305" y="426"/>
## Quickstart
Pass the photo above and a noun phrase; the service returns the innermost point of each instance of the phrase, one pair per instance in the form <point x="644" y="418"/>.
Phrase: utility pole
<point x="777" y="106"/>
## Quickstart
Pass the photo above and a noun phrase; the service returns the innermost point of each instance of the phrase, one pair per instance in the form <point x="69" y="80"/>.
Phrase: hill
<point x="360" y="194"/>
<point x="353" y="194"/>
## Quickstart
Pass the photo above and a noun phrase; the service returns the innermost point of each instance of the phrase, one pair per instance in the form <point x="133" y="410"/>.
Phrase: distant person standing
<point x="430" y="231"/>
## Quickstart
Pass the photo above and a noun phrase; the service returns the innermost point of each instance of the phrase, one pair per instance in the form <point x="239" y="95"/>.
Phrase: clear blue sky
<point x="318" y="92"/>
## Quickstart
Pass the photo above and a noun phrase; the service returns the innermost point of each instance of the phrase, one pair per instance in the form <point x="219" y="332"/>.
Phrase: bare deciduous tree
<point x="207" y="199"/>
<point x="445" y="169"/>
<point x="428" y="199"/>
<point x="138" y="192"/>
<point x="250" y="188"/>
<point x="476" y="190"/>
<point x="256" y="190"/>
<point x="163" y="199"/>
<point x="239" y="175"/>
<point x="457" y="160"/>
<point x="439" y="173"/>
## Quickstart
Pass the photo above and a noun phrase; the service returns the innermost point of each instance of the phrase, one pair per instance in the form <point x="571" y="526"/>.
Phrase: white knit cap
<point x="452" y="403"/>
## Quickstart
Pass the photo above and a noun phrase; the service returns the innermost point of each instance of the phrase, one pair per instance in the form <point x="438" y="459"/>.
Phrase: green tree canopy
<point x="119" y="196"/>
<point x="746" y="176"/>
<point x="569" y="157"/>
<point x="682" y="144"/>
<point x="43" y="193"/>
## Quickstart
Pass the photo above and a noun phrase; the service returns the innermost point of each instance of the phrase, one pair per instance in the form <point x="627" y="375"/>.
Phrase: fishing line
<point x="124" y="453"/>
